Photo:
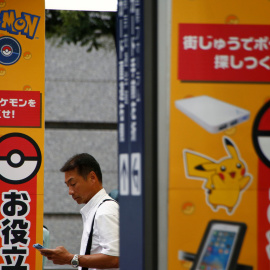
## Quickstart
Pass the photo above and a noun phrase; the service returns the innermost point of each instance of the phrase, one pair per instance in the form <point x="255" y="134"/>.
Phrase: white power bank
<point x="212" y="114"/>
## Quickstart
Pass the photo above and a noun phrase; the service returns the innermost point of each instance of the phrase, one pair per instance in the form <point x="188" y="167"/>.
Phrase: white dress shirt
<point x="106" y="226"/>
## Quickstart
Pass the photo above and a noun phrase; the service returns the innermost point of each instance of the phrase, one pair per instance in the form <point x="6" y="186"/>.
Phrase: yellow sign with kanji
<point x="22" y="89"/>
<point x="219" y="136"/>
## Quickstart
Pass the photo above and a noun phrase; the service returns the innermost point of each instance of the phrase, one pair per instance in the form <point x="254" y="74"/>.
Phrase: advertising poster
<point x="22" y="84"/>
<point x="219" y="154"/>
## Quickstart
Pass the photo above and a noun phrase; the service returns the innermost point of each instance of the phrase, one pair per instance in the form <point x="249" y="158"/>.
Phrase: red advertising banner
<point x="18" y="229"/>
<point x="20" y="160"/>
<point x="224" y="52"/>
<point x="20" y="108"/>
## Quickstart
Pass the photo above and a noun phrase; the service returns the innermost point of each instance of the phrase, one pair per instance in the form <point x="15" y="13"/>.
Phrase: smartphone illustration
<point x="38" y="246"/>
<point x="220" y="246"/>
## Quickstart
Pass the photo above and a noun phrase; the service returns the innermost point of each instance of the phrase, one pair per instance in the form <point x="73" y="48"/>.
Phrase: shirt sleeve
<point x="107" y="225"/>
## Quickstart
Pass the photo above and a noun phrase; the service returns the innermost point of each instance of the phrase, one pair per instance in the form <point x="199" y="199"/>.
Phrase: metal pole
<point x="150" y="134"/>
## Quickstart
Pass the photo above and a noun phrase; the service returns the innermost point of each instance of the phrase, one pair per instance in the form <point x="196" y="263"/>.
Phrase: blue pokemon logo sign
<point x="26" y="24"/>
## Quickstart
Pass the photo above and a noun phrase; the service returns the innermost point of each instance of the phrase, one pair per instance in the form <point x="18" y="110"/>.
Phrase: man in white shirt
<point x="100" y="238"/>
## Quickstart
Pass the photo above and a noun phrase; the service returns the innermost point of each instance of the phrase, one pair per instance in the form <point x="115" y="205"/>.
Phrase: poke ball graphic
<point x="2" y="71"/>
<point x="188" y="208"/>
<point x="7" y="50"/>
<point x="2" y="3"/>
<point x="10" y="50"/>
<point x="232" y="19"/>
<point x="27" y="88"/>
<point x="20" y="158"/>
<point x="27" y="55"/>
<point x="261" y="134"/>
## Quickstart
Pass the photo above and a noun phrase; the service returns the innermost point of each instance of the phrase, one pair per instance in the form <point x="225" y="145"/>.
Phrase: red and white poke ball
<point x="6" y="50"/>
<point x="20" y="158"/>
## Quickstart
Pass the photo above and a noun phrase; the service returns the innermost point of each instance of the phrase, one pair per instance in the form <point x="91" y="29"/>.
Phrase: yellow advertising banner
<point x="219" y="170"/>
<point x="22" y="89"/>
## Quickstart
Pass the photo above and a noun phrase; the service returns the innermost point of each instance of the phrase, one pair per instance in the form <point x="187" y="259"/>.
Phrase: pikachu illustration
<point x="224" y="180"/>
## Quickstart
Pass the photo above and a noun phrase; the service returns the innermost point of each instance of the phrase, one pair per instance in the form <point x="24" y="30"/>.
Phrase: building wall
<point x="80" y="116"/>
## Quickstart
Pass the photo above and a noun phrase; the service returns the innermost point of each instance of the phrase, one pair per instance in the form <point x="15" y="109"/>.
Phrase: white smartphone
<point x="221" y="246"/>
<point x="212" y="114"/>
<point x="38" y="246"/>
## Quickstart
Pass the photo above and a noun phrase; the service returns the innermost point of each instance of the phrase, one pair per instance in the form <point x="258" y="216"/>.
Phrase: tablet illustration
<point x="220" y="246"/>
<point x="212" y="114"/>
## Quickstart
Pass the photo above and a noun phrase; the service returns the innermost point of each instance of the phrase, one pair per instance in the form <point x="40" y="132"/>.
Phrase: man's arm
<point x="61" y="256"/>
<point x="99" y="261"/>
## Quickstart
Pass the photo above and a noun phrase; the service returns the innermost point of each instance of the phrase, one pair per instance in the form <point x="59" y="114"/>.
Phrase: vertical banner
<point x="130" y="132"/>
<point x="219" y="170"/>
<point x="22" y="86"/>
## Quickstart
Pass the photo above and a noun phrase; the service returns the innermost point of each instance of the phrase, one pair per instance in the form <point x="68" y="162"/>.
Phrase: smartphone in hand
<point x="38" y="246"/>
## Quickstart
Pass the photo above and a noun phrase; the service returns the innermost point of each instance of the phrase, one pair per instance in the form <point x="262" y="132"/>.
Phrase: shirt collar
<point x="92" y="203"/>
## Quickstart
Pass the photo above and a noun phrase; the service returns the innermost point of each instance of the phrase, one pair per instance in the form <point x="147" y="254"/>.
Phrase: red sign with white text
<point x="19" y="165"/>
<point x="20" y="109"/>
<point x="229" y="52"/>
<point x="18" y="219"/>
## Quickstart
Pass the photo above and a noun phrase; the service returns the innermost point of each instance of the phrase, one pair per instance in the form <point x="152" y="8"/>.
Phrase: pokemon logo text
<point x="26" y="24"/>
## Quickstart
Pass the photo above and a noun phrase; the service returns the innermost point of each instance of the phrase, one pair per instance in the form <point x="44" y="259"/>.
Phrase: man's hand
<point x="58" y="255"/>
<point x="61" y="256"/>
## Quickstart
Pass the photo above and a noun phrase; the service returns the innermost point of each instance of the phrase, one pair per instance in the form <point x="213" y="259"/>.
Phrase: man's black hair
<point x="84" y="163"/>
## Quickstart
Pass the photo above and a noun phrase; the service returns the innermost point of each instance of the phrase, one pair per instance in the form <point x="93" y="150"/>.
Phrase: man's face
<point x="80" y="189"/>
